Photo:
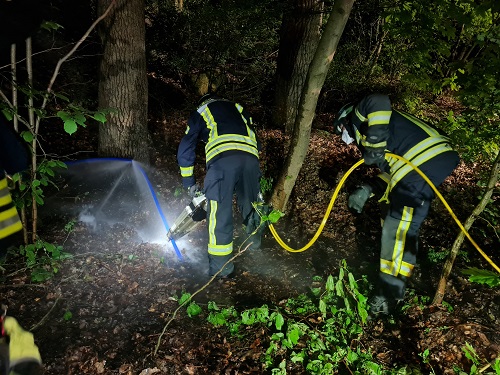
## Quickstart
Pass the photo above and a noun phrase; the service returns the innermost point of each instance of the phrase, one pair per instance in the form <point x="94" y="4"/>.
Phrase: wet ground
<point x="106" y="308"/>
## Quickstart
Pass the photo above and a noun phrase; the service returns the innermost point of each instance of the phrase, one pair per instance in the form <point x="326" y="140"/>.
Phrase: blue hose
<point x="153" y="194"/>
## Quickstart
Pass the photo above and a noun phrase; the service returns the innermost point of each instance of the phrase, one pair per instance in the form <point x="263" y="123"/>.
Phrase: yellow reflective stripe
<point x="359" y="137"/>
<point x="230" y="147"/>
<point x="384" y="177"/>
<point x="406" y="269"/>
<point x="393" y="267"/>
<point x="422" y="125"/>
<point x="374" y="145"/>
<point x="7" y="231"/>
<point x="187" y="171"/>
<point x="187" y="130"/>
<point x="417" y="149"/>
<point x="360" y="116"/>
<point x="230" y="138"/>
<point x="379" y="118"/>
<point x="220" y="250"/>
<point x="5" y="197"/>
<point x="207" y="116"/>
<point x="211" y="223"/>
<point x="418" y="161"/>
<point x="9" y="222"/>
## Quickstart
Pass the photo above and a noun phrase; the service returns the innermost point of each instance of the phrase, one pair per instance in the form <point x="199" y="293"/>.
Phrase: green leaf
<point x="279" y="321"/>
<point x="99" y="117"/>
<point x="67" y="315"/>
<point x="482" y="276"/>
<point x="193" y="309"/>
<point x="70" y="126"/>
<point x="27" y="136"/>
<point x="184" y="298"/>
<point x="274" y="216"/>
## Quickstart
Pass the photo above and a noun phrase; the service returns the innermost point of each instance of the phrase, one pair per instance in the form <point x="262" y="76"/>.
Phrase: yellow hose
<point x="334" y="197"/>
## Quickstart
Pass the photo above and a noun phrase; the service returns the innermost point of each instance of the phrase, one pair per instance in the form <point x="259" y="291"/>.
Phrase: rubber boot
<point x="391" y="291"/>
<point x="216" y="262"/>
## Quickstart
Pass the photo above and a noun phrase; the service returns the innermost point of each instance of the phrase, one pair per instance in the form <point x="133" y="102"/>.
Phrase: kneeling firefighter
<point x="404" y="195"/>
<point x="232" y="161"/>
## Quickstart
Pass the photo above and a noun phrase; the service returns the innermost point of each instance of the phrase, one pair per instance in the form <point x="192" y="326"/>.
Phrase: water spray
<point x="137" y="165"/>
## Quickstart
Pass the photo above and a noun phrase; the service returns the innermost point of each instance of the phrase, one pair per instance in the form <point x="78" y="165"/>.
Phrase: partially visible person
<point x="405" y="196"/>
<point x="18" y="353"/>
<point x="14" y="158"/>
<point x="232" y="161"/>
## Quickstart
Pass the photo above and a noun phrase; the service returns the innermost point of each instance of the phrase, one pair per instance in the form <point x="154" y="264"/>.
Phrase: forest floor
<point x="106" y="309"/>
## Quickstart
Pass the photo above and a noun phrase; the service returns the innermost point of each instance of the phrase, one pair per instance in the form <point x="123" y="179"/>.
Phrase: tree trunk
<point x="314" y="81"/>
<point x="495" y="170"/>
<point x="123" y="82"/>
<point x="299" y="37"/>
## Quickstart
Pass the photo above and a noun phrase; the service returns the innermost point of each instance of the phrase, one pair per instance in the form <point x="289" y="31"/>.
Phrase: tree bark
<point x="495" y="170"/>
<point x="299" y="37"/>
<point x="314" y="81"/>
<point x="123" y="82"/>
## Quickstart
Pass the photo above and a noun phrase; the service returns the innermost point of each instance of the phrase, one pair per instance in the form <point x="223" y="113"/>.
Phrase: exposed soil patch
<point x="105" y="309"/>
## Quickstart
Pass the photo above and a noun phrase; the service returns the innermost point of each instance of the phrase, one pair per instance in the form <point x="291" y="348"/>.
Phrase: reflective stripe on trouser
<point x="9" y="218"/>
<point x="237" y="173"/>
<point x="399" y="244"/>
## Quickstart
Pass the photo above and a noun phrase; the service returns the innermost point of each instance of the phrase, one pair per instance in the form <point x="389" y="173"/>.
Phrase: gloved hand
<point x="24" y="357"/>
<point x="193" y="190"/>
<point x="374" y="155"/>
<point x="359" y="197"/>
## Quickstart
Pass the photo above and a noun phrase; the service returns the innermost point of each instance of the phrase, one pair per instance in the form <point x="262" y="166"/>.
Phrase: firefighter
<point x="232" y="167"/>
<point x="14" y="158"/>
<point x="18" y="353"/>
<point x="405" y="197"/>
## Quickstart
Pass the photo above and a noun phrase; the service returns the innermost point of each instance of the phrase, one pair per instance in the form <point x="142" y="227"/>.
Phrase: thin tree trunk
<point x="312" y="88"/>
<point x="299" y="37"/>
<point x="495" y="170"/>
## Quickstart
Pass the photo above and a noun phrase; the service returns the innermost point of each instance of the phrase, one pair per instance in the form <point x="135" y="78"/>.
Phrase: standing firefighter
<point x="13" y="158"/>
<point x="232" y="160"/>
<point x="404" y="195"/>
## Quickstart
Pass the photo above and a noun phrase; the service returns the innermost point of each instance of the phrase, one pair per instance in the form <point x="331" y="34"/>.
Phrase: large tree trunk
<point x="299" y="37"/>
<point x="309" y="99"/>
<point x="123" y="82"/>
<point x="495" y="170"/>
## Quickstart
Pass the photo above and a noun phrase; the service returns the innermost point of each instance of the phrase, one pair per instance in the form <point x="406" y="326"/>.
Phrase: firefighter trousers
<point x="237" y="173"/>
<point x="408" y="206"/>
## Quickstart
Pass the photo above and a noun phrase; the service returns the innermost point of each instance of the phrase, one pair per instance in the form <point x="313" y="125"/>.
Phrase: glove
<point x="24" y="357"/>
<point x="359" y="197"/>
<point x="193" y="190"/>
<point x="374" y="155"/>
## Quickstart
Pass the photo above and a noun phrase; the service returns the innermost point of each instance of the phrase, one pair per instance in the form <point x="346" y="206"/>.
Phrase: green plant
<point x="193" y="309"/>
<point x="425" y="358"/>
<point x="266" y="184"/>
<point x="68" y="315"/>
<point x="415" y="300"/>
<point x="43" y="258"/>
<point x="480" y="276"/>
<point x="320" y="332"/>
<point x="70" y="226"/>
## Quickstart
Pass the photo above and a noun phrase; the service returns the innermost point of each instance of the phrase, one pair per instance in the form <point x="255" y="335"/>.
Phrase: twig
<point x="44" y="319"/>
<point x="191" y="297"/>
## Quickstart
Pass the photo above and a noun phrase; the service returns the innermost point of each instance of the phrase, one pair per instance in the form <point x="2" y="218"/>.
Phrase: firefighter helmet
<point x="343" y="118"/>
<point x="205" y="98"/>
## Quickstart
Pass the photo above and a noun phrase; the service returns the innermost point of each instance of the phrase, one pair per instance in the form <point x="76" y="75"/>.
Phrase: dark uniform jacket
<point x="224" y="127"/>
<point x="378" y="128"/>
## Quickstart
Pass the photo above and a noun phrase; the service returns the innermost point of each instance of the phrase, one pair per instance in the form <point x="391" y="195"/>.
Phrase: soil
<point x="106" y="309"/>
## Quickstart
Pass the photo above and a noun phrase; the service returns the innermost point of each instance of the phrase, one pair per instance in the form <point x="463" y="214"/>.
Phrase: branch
<point x="191" y="297"/>
<point x="68" y="55"/>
